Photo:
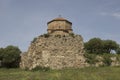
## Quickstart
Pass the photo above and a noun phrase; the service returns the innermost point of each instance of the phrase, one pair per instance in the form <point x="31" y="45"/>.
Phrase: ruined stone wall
<point x="55" y="52"/>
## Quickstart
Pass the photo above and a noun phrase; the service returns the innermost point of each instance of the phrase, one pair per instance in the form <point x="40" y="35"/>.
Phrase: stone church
<point x="59" y="26"/>
<point x="59" y="48"/>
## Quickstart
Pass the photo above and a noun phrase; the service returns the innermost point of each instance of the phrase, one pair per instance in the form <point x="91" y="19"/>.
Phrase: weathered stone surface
<point x="115" y="62"/>
<point x="56" y="52"/>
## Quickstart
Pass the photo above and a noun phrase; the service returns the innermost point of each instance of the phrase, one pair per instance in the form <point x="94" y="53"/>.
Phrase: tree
<point x="10" y="56"/>
<point x="118" y="50"/>
<point x="1" y="56"/>
<point x="109" y="45"/>
<point x="98" y="46"/>
<point x="1" y="53"/>
<point x="94" y="45"/>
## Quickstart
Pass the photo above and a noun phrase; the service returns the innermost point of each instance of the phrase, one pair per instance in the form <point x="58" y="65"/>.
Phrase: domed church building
<point x="55" y="52"/>
<point x="59" y="26"/>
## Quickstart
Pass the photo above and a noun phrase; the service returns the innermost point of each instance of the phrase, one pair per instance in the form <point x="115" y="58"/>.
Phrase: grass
<point x="90" y="73"/>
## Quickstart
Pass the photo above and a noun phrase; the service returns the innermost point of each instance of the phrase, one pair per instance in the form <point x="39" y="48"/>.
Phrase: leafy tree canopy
<point x="10" y="56"/>
<point x="98" y="46"/>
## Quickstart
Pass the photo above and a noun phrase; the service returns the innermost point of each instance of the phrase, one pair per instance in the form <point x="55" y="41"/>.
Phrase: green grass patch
<point x="90" y="73"/>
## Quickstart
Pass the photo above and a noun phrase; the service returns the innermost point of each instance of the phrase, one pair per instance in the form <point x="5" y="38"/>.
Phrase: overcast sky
<point x="22" y="20"/>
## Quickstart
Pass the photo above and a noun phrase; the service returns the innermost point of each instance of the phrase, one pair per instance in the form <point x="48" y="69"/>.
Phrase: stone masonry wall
<point x="55" y="52"/>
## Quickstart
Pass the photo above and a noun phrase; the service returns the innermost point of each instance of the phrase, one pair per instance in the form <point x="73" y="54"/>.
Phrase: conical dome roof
<point x="59" y="19"/>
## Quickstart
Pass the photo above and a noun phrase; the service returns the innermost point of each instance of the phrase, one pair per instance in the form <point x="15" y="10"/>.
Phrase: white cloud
<point x="113" y="14"/>
<point x="116" y="15"/>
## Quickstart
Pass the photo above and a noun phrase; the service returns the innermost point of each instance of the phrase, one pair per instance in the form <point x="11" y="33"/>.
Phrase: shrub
<point x="72" y="35"/>
<point x="34" y="40"/>
<point x="90" y="58"/>
<point x="58" y="36"/>
<point x="118" y="57"/>
<point x="107" y="59"/>
<point x="46" y="35"/>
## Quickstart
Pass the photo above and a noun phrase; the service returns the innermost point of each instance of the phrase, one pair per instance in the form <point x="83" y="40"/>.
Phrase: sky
<point x="23" y="20"/>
